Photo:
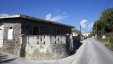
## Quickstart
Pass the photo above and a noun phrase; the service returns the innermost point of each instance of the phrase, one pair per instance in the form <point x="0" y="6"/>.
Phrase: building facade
<point x="34" y="38"/>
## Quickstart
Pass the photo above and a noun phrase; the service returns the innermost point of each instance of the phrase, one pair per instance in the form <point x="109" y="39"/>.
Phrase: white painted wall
<point x="1" y="35"/>
<point x="86" y="34"/>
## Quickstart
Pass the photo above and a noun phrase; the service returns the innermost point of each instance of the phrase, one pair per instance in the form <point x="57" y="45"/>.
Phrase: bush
<point x="110" y="44"/>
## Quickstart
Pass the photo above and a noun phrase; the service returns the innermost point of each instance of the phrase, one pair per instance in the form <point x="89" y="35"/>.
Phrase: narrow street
<point x="94" y="52"/>
<point x="91" y="52"/>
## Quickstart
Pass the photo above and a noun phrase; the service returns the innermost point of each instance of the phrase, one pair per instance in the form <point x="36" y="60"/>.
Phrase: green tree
<point x="107" y="19"/>
<point x="104" y="24"/>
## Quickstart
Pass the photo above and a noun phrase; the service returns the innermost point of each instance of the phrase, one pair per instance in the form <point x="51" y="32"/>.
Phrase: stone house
<point x="34" y="38"/>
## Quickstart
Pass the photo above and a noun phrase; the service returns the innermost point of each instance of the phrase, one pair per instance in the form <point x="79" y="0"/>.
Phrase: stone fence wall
<point x="45" y="47"/>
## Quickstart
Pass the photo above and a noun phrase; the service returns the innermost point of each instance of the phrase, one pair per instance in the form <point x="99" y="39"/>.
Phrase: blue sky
<point x="72" y="12"/>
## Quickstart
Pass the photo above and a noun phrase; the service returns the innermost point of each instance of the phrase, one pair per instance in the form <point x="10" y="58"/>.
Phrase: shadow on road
<point x="4" y="58"/>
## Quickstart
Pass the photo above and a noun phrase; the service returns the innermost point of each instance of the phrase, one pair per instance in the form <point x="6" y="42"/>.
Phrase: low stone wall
<point x="44" y="47"/>
<point x="46" y="52"/>
<point x="11" y="50"/>
<point x="8" y="50"/>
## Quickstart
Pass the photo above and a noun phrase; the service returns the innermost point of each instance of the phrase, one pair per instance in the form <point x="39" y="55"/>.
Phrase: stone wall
<point x="47" y="52"/>
<point x="1" y="35"/>
<point x="12" y="45"/>
<point x="53" y="48"/>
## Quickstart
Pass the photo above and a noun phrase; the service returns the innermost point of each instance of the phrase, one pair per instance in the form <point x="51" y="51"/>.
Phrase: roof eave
<point x="34" y="18"/>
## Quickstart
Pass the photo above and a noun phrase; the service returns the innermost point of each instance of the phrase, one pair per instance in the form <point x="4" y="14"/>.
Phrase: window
<point x="55" y="36"/>
<point x="66" y="31"/>
<point x="55" y="42"/>
<point x="62" y="31"/>
<point x="54" y="31"/>
<point x="10" y="33"/>
<point x="43" y="30"/>
<point x="44" y="42"/>
<point x="58" y="32"/>
<point x="44" y="37"/>
<point x="41" y="39"/>
<point x="37" y="37"/>
<point x="36" y="31"/>
<point x="58" y="39"/>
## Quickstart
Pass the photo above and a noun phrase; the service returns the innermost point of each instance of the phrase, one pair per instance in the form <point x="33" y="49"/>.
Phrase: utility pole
<point x="80" y="29"/>
<point x="96" y="30"/>
<point x="80" y="33"/>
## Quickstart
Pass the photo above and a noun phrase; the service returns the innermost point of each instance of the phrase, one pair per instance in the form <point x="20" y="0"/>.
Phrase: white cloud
<point x="55" y="18"/>
<point x="83" y="23"/>
<point x="86" y="26"/>
<point x="4" y="15"/>
<point x="48" y="17"/>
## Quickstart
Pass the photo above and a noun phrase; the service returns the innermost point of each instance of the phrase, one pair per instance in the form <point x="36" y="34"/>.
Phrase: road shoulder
<point x="103" y="43"/>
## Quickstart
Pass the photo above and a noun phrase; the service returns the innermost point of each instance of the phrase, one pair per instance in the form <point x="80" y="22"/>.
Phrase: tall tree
<point x="105" y="23"/>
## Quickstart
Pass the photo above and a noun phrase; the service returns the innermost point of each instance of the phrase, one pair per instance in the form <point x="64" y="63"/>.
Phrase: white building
<point x="85" y="34"/>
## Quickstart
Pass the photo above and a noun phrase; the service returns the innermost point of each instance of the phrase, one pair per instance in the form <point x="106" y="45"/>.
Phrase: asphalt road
<point x="94" y="52"/>
<point x="90" y="52"/>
